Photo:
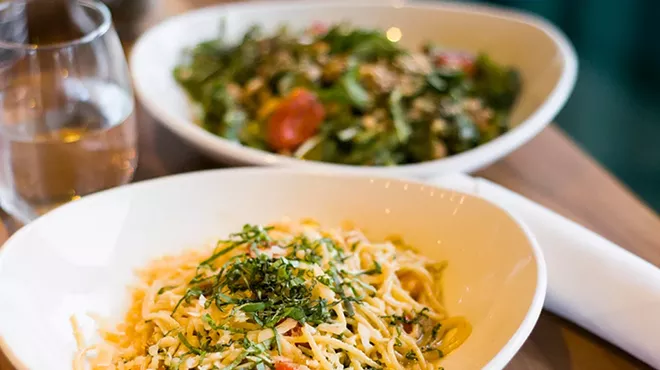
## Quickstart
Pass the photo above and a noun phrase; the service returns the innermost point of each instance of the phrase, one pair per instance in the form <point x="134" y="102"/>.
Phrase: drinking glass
<point x="67" y="127"/>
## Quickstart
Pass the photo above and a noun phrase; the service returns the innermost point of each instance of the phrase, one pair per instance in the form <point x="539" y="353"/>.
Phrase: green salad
<point x="348" y="95"/>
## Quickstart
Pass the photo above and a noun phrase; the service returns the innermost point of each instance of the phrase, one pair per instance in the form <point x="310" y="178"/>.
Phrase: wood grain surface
<point x="550" y="170"/>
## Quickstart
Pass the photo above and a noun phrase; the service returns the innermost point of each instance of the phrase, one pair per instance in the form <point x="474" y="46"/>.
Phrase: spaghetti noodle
<point x="284" y="297"/>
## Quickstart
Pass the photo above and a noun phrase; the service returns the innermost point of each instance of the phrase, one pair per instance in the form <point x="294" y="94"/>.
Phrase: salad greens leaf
<point x="357" y="95"/>
<point x="401" y="126"/>
<point x="498" y="85"/>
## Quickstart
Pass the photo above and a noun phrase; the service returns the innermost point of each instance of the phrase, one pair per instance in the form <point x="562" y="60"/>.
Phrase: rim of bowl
<point x="499" y="361"/>
<point x="238" y="153"/>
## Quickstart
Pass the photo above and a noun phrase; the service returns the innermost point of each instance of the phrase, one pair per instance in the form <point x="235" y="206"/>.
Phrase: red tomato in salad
<point x="296" y="119"/>
<point x="462" y="61"/>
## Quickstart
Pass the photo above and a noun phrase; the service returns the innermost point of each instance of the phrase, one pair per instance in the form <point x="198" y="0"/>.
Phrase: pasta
<point x="289" y="296"/>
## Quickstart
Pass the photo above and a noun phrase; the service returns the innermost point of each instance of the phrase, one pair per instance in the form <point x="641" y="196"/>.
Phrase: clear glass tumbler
<point x="67" y="126"/>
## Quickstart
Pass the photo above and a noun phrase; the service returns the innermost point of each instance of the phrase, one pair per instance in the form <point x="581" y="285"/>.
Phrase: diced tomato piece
<point x="463" y="61"/>
<point x="296" y="119"/>
<point x="407" y="326"/>
<point x="285" y="365"/>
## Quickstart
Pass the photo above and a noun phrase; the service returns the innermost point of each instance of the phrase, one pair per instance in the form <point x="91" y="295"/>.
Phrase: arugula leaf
<point x="365" y="44"/>
<point x="222" y="115"/>
<point x="358" y="96"/>
<point x="437" y="82"/>
<point x="401" y="126"/>
<point x="464" y="134"/>
<point x="499" y="85"/>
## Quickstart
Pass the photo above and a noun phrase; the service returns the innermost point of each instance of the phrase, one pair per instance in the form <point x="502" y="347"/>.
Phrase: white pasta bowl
<point x="542" y="54"/>
<point x="80" y="258"/>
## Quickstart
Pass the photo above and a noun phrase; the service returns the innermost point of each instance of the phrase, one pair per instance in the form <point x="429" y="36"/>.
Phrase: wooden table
<point x="550" y="170"/>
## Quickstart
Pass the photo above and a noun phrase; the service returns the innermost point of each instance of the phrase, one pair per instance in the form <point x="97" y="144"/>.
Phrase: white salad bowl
<point x="541" y="53"/>
<point x="80" y="258"/>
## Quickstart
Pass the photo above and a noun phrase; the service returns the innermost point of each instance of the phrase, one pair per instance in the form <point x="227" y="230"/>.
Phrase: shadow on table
<point x="162" y="153"/>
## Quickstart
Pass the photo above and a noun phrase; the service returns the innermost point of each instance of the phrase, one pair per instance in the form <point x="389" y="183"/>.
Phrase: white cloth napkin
<point x="591" y="281"/>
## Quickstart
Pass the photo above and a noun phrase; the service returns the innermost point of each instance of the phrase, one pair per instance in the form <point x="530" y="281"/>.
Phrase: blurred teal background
<point x="614" y="112"/>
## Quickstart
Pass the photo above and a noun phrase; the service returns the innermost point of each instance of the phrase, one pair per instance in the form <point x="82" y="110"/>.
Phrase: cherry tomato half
<point x="296" y="119"/>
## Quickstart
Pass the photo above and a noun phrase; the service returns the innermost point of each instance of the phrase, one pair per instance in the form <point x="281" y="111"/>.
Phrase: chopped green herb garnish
<point x="410" y="355"/>
<point x="253" y="290"/>
<point x="434" y="331"/>
<point x="165" y="289"/>
<point x="377" y="269"/>
<point x="190" y="347"/>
